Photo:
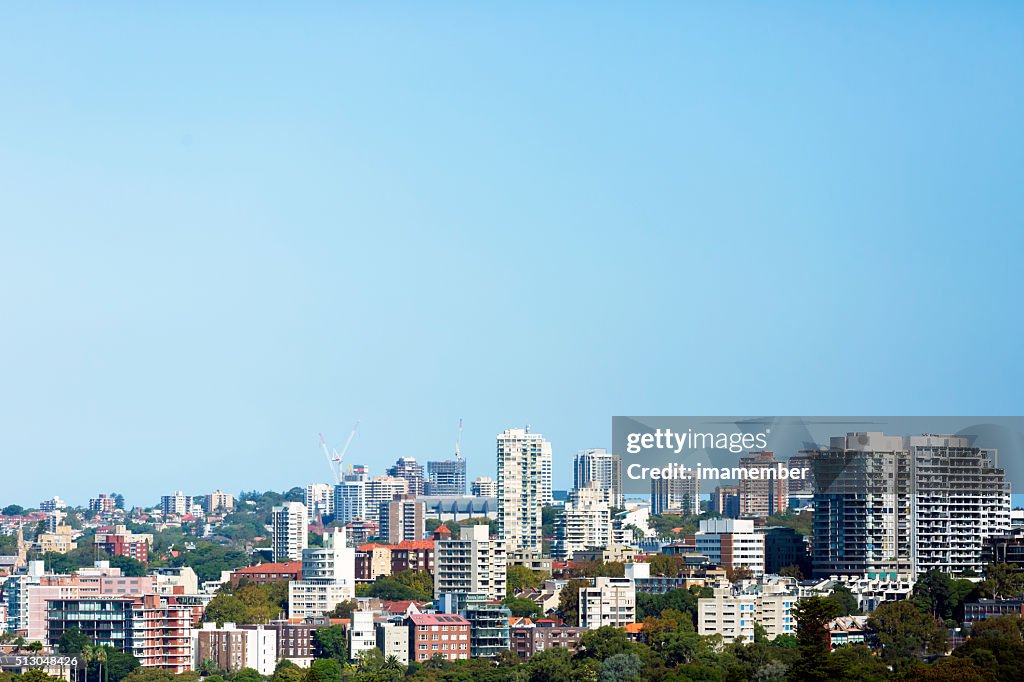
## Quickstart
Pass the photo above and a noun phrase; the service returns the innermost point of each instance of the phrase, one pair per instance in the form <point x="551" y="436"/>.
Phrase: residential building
<point x="529" y="637"/>
<point x="522" y="458"/>
<point x="599" y="468"/>
<point x="471" y="564"/>
<point x="350" y="499"/>
<point x="407" y="468"/>
<point x="585" y="522"/>
<point x="177" y="504"/>
<point x="438" y="634"/>
<point x="119" y="541"/>
<point x="484" y="486"/>
<point x="372" y="561"/>
<point x="413" y="555"/>
<point x="984" y="609"/>
<point x="231" y="648"/>
<point x="402" y="519"/>
<point x="151" y="629"/>
<point x="59" y="541"/>
<point x="393" y="640"/>
<point x="362" y="635"/>
<point x="679" y="495"/>
<point x="103" y="504"/>
<point x="380" y="490"/>
<point x="52" y="504"/>
<point x="725" y="500"/>
<point x="610" y="601"/>
<point x="731" y="544"/>
<point x="446" y="478"/>
<point x="903" y="505"/>
<point x="218" y="501"/>
<point x="735" y="608"/>
<point x="290" y="523"/>
<point x="319" y="500"/>
<point x="488" y="625"/>
<point x="764" y="493"/>
<point x="328" y="577"/>
<point x="267" y="573"/>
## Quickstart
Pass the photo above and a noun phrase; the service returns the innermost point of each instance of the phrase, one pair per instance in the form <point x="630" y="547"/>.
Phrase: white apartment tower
<point x="484" y="486"/>
<point x="328" y="577"/>
<point x="611" y="601"/>
<point x="473" y="563"/>
<point x="350" y="500"/>
<point x="523" y="487"/>
<point x="319" y="499"/>
<point x="380" y="490"/>
<point x="585" y="523"/>
<point x="290" y="522"/>
<point x="599" y="467"/>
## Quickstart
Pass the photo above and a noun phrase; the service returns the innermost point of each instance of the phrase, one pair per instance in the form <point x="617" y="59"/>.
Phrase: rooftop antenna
<point x="458" y="443"/>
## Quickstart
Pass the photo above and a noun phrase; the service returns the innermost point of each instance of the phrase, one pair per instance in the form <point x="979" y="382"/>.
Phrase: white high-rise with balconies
<point x="328" y="577"/>
<point x="586" y="522"/>
<point x="473" y="563"/>
<point x="524" y="485"/>
<point x="600" y="467"/>
<point x="380" y="490"/>
<point x="290" y="522"/>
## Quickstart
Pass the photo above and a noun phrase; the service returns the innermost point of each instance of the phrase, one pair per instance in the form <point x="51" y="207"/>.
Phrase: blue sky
<point x="224" y="229"/>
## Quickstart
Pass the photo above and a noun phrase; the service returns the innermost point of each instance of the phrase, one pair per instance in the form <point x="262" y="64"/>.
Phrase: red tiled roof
<point x="372" y="545"/>
<point x="286" y="567"/>
<point x="414" y="544"/>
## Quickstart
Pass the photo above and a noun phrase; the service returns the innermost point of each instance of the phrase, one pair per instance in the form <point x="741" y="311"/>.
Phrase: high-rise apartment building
<point x="903" y="505"/>
<point x="319" y="499"/>
<point x="290" y="523"/>
<point x="177" y="504"/>
<point x="473" y="563"/>
<point x="761" y="494"/>
<point x="446" y="477"/>
<point x="402" y="519"/>
<point x="600" y="467"/>
<point x="484" y="487"/>
<point x="380" y="490"/>
<point x="412" y="472"/>
<point x="675" y="495"/>
<point x="521" y="462"/>
<point x="218" y="500"/>
<point x="350" y="501"/>
<point x="585" y="523"/>
<point x="328" y="577"/>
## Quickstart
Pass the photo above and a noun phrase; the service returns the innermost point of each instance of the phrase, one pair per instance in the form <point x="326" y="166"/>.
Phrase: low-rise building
<point x="735" y="608"/>
<point x="268" y="573"/>
<point x="231" y="648"/>
<point x="438" y="634"/>
<point x="393" y="640"/>
<point x="529" y="637"/>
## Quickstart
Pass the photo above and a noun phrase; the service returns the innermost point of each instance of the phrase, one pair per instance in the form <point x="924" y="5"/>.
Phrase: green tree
<point x="518" y="578"/>
<point x="906" y="632"/>
<point x="569" y="601"/>
<point x="552" y="665"/>
<point x="996" y="645"/>
<point x="72" y="641"/>
<point x="331" y="642"/>
<point x="13" y="510"/>
<point x="522" y="607"/>
<point x="247" y="675"/>
<point x="812" y="663"/>
<point x="626" y="667"/>
<point x="846" y="601"/>
<point x="323" y="670"/>
<point x="286" y="671"/>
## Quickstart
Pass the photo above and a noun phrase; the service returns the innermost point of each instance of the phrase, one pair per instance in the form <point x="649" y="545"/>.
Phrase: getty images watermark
<point x="820" y="452"/>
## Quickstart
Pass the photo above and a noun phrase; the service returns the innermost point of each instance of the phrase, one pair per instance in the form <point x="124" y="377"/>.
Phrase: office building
<point x="290" y="524"/>
<point x="761" y="494"/>
<point x="784" y="546"/>
<point x="610" y="601"/>
<point x="471" y="564"/>
<point x="484" y="487"/>
<point x="446" y="477"/>
<point x="521" y="461"/>
<point x="402" y="519"/>
<point x="407" y="468"/>
<point x="599" y="468"/>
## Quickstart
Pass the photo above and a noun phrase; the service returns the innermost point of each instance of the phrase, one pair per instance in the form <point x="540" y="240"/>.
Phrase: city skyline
<point x="211" y="255"/>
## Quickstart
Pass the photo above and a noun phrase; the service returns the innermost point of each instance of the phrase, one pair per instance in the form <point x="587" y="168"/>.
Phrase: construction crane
<point x="335" y="458"/>
<point x="458" y="443"/>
